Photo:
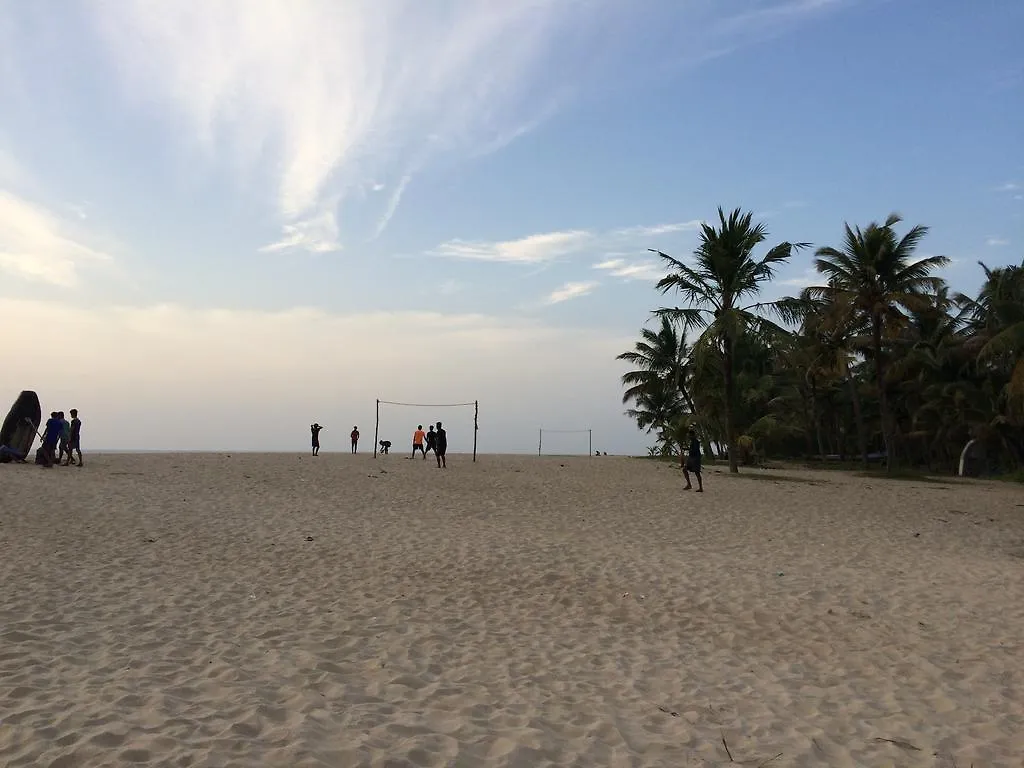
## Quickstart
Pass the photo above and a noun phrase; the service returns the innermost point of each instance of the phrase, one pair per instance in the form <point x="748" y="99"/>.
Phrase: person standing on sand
<point x="315" y="429"/>
<point x="355" y="439"/>
<point x="431" y="441"/>
<point x="693" y="463"/>
<point x="440" y="447"/>
<point x="65" y="435"/>
<point x="51" y="435"/>
<point x="74" y="439"/>
<point x="417" y="441"/>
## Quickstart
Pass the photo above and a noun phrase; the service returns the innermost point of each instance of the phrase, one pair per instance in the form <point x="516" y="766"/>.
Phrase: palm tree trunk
<point x="858" y="416"/>
<point x="730" y="426"/>
<point x="883" y="399"/>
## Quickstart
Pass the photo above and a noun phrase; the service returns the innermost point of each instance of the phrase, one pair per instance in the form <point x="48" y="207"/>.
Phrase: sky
<point x="221" y="221"/>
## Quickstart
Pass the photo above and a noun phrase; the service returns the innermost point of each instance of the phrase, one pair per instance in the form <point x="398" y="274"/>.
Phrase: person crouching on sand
<point x="693" y="463"/>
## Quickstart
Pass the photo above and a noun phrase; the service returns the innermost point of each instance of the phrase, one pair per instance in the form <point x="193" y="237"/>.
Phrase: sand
<point x="280" y="610"/>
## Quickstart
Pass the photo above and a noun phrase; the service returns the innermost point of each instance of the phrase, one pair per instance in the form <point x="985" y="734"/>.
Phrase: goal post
<point x="588" y="432"/>
<point x="476" y="418"/>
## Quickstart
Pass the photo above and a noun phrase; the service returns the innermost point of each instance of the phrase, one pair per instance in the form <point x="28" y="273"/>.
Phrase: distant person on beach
<point x="431" y="441"/>
<point x="385" y="446"/>
<point x="315" y="429"/>
<point x="417" y="442"/>
<point x="693" y="463"/>
<point x="51" y="436"/>
<point x="355" y="439"/>
<point x="440" y="446"/>
<point x="65" y="434"/>
<point x="74" y="439"/>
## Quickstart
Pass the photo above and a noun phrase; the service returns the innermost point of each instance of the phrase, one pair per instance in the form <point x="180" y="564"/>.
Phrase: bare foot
<point x="700" y="490"/>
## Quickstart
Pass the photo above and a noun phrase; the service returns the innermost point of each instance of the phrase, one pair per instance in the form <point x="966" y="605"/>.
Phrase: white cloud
<point x="996" y="242"/>
<point x="631" y="270"/>
<point x="317" y="234"/>
<point x="37" y="245"/>
<point x="533" y="249"/>
<point x="126" y="368"/>
<point x="1010" y="186"/>
<point x="571" y="291"/>
<point x="393" y="202"/>
<point x="657" y="229"/>
<point x="338" y="93"/>
<point x="549" y="246"/>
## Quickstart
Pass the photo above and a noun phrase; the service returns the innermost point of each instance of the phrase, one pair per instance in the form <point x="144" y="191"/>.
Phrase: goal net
<point x="397" y="422"/>
<point x="564" y="442"/>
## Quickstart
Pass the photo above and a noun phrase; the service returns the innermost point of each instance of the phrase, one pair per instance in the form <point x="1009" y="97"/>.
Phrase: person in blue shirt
<point x="51" y="436"/>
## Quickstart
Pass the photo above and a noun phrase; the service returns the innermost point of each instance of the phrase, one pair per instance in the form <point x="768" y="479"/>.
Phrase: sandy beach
<point x="279" y="610"/>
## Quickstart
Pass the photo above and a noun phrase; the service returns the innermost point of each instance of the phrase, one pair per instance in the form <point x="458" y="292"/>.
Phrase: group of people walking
<point x="431" y="441"/>
<point x="61" y="440"/>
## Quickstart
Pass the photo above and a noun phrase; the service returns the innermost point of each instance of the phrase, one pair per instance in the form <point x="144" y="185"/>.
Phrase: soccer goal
<point x="560" y="442"/>
<point x="475" y="405"/>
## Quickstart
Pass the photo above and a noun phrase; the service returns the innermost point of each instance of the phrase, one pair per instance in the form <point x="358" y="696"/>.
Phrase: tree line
<point x="879" y="362"/>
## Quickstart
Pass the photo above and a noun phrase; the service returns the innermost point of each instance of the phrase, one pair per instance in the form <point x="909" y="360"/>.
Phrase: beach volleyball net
<point x="564" y="442"/>
<point x="475" y="405"/>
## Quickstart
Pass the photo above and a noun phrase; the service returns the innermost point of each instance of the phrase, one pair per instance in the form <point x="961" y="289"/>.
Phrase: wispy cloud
<point x="38" y="245"/>
<point x="631" y="270"/>
<point x="395" y="199"/>
<point x="533" y="249"/>
<point x="1009" y="186"/>
<point x="316" y="234"/>
<point x="571" y="291"/>
<point x="996" y="242"/>
<point x="337" y="94"/>
<point x="549" y="246"/>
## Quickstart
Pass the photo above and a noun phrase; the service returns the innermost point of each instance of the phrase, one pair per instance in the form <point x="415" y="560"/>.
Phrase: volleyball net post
<point x="476" y="418"/>
<point x="589" y="432"/>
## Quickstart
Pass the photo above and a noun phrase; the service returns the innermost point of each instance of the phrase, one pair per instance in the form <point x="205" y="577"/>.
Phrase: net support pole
<point x="476" y="425"/>
<point x="590" y="442"/>
<point x="376" y="429"/>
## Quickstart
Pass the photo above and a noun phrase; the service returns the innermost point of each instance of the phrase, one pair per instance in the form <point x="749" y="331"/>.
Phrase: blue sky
<point x="240" y="217"/>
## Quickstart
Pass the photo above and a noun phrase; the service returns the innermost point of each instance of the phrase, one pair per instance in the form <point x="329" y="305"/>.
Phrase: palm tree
<point x="874" y="275"/>
<point x="662" y="354"/>
<point x="724" y="277"/>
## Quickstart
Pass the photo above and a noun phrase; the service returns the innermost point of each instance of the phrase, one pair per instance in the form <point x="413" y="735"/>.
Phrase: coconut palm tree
<point x="874" y="274"/>
<point x="719" y="288"/>
<point x="662" y="354"/>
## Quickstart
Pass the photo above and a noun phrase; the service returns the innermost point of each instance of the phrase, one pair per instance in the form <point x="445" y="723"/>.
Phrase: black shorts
<point x="417" y="447"/>
<point x="75" y="444"/>
<point x="441" y="450"/>
<point x="693" y="465"/>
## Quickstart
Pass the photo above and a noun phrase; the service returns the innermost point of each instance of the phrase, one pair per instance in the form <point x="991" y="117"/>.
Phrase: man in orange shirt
<point x="417" y="442"/>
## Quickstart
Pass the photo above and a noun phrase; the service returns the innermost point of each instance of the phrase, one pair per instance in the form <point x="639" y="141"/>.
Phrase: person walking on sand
<point x="417" y="442"/>
<point x="693" y="463"/>
<point x="315" y="429"/>
<point x="431" y="441"/>
<point x="65" y="435"/>
<point x="440" y="447"/>
<point x="355" y="439"/>
<point x="74" y="439"/>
